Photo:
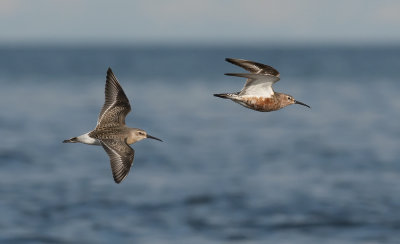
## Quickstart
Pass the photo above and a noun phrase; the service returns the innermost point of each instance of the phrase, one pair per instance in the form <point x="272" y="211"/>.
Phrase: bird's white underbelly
<point x="85" y="138"/>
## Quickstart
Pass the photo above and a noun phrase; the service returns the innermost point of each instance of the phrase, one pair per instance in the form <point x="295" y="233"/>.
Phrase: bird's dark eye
<point x="289" y="98"/>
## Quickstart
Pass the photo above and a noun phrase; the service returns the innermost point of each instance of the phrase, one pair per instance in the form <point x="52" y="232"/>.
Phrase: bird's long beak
<point x="152" y="137"/>
<point x="297" y="102"/>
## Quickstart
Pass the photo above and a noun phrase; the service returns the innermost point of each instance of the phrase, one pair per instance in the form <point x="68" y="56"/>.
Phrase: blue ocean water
<point x="224" y="173"/>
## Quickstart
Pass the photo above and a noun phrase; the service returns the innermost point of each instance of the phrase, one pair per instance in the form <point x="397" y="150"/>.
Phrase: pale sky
<point x="200" y="22"/>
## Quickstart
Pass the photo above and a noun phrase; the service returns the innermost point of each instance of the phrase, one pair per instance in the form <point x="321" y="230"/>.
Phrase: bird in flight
<point x="112" y="133"/>
<point x="257" y="93"/>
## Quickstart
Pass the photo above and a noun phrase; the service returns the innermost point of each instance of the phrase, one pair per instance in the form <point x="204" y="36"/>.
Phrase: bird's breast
<point x="262" y="104"/>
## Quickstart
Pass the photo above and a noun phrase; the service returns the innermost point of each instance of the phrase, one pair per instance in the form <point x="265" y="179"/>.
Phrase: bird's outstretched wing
<point x="121" y="157"/>
<point x="254" y="67"/>
<point x="257" y="84"/>
<point x="116" y="105"/>
<point x="259" y="81"/>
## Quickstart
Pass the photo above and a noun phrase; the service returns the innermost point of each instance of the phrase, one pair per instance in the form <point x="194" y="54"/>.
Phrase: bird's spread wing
<point x="116" y="105"/>
<point x="253" y="67"/>
<point x="121" y="157"/>
<point x="257" y="84"/>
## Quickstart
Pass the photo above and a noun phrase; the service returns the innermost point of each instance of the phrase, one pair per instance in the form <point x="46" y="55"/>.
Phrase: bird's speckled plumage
<point x="257" y="93"/>
<point x="111" y="131"/>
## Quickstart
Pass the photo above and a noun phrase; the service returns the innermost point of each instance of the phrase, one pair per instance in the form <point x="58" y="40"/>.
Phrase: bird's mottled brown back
<point x="104" y="133"/>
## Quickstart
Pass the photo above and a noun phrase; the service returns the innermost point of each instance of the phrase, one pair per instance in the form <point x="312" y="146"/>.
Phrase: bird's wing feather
<point x="254" y="67"/>
<point x="257" y="84"/>
<point x="121" y="157"/>
<point x="116" y="105"/>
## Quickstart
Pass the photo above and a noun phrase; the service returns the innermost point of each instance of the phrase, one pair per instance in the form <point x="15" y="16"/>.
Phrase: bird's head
<point x="138" y="135"/>
<point x="287" y="100"/>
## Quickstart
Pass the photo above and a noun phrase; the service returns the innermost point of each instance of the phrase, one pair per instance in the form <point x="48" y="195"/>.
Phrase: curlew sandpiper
<point x="111" y="131"/>
<point x="257" y="93"/>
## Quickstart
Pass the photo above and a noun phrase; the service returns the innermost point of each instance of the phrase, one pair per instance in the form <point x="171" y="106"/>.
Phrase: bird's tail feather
<point x="226" y="95"/>
<point x="221" y="95"/>
<point x="72" y="140"/>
